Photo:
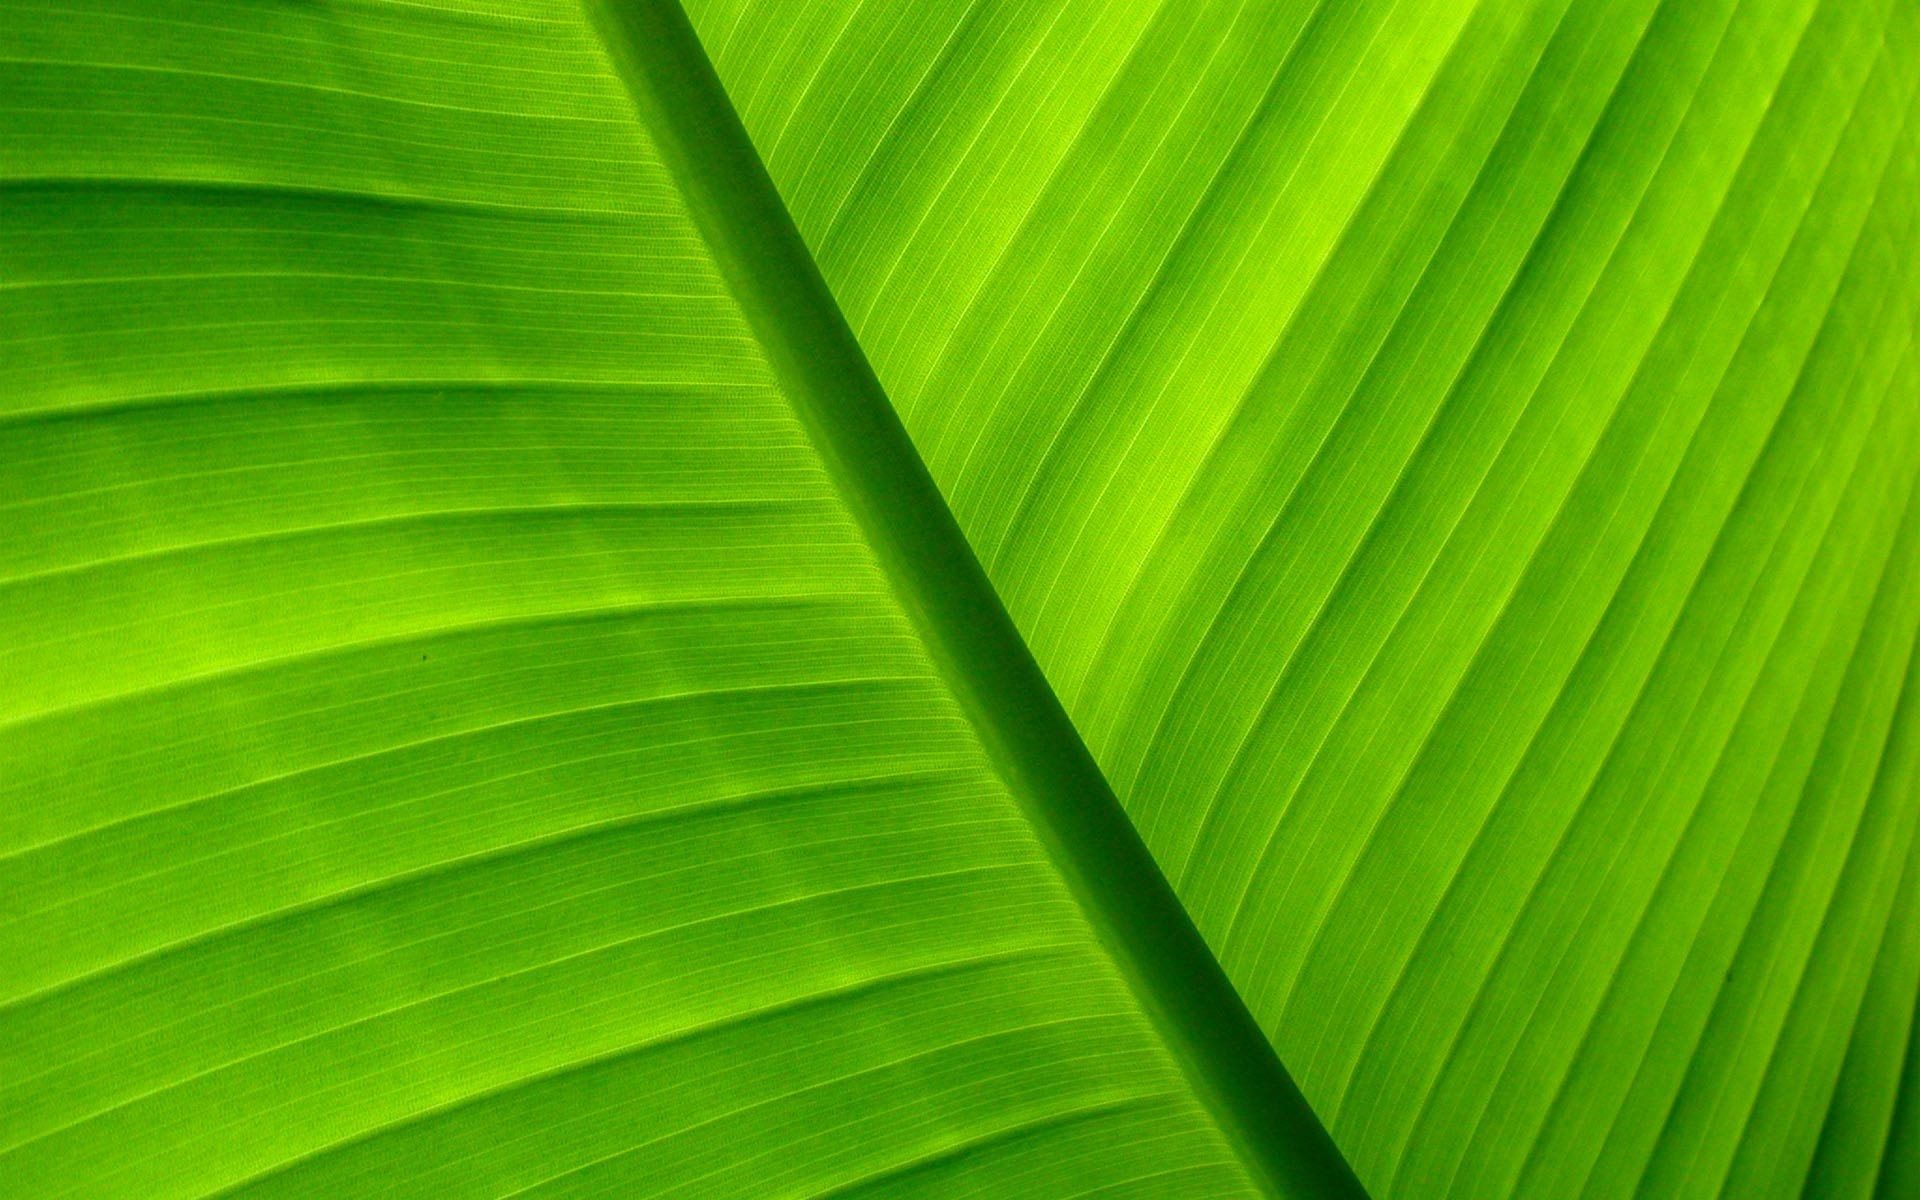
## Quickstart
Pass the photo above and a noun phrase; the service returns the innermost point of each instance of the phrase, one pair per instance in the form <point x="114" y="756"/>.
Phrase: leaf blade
<point x="457" y="737"/>
<point x="1346" y="400"/>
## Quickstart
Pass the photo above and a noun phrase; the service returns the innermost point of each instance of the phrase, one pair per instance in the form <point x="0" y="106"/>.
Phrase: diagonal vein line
<point x="943" y="589"/>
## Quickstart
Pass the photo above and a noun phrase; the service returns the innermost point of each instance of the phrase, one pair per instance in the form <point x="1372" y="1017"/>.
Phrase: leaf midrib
<point x="970" y="638"/>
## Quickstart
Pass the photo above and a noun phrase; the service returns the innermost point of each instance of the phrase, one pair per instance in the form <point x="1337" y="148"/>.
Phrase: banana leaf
<point x="1455" y="463"/>
<point x="808" y="598"/>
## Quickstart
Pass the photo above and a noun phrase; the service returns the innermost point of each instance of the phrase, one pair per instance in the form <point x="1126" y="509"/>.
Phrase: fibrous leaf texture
<point x="935" y="598"/>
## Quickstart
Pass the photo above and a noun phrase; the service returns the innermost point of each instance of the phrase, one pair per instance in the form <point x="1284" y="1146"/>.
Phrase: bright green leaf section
<point x="457" y="735"/>
<point x="1456" y="463"/>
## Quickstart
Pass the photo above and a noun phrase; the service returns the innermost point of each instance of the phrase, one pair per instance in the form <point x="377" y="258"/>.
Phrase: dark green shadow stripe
<point x="1033" y="744"/>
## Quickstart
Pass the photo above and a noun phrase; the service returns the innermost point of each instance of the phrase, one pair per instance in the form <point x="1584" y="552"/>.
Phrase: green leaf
<point x="1456" y="464"/>
<point x="493" y="701"/>
<point x="492" y="705"/>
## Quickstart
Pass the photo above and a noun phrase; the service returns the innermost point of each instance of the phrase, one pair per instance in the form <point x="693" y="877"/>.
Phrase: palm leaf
<point x="492" y="704"/>
<point x="1455" y="462"/>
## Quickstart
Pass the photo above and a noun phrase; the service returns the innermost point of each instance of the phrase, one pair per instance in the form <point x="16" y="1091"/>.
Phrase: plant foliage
<point x="923" y="638"/>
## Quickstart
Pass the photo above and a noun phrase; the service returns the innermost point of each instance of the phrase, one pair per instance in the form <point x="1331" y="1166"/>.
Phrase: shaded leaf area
<point x="454" y="740"/>
<point x="1456" y="463"/>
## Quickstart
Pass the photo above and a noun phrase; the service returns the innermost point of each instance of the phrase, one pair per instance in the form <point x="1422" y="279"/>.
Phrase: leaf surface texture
<point x="459" y="736"/>
<point x="1456" y="465"/>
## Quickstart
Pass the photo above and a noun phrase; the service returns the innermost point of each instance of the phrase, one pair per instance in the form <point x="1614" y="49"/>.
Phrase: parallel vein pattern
<point x="1456" y="463"/>
<point x="453" y="739"/>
